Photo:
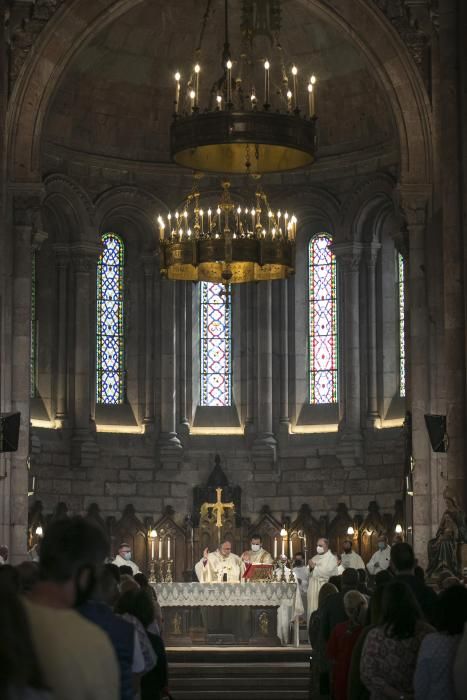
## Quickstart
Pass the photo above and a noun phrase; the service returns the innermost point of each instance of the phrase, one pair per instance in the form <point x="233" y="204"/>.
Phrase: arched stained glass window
<point x="216" y="345"/>
<point x="401" y="307"/>
<point x="33" y="350"/>
<point x="323" y="356"/>
<point x="110" y="363"/>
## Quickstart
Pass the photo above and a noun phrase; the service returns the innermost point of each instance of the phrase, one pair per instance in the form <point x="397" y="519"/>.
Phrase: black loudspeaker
<point x="436" y="426"/>
<point x="9" y="431"/>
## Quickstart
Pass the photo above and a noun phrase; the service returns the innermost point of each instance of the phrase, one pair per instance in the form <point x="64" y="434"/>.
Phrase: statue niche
<point x="452" y="532"/>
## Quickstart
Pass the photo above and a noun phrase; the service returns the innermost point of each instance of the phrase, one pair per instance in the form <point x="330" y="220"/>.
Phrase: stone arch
<point x="72" y="208"/>
<point x="365" y="204"/>
<point x="77" y="22"/>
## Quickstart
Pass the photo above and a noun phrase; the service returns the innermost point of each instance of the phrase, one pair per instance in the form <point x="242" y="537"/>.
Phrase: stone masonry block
<point x="144" y="505"/>
<point x="62" y="486"/>
<point x="356" y="486"/>
<point x="265" y="490"/>
<point x="180" y="490"/>
<point x="120" y="489"/>
<point x="84" y="488"/>
<point x="157" y="489"/>
<point x="105" y="502"/>
<point x="294" y="489"/>
<point x="136" y="475"/>
<point x="142" y="463"/>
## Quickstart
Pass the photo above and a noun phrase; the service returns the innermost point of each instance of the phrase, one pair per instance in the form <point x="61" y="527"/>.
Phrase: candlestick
<point x="160" y="547"/>
<point x="197" y="70"/>
<point x="290" y="549"/>
<point x="313" y="95"/>
<point x="267" y="65"/>
<point x="275" y="547"/>
<point x="310" y="100"/>
<point x="229" y="82"/>
<point x="152" y="549"/>
<point x="177" y="90"/>
<point x="161" y="227"/>
<point x="168" y="547"/>
<point x="294" y="74"/>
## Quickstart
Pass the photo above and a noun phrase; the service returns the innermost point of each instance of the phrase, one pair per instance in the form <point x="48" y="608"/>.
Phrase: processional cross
<point x="217" y="508"/>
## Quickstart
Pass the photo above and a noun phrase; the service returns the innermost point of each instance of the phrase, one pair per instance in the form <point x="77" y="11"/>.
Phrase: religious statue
<point x="220" y="566"/>
<point x="452" y="530"/>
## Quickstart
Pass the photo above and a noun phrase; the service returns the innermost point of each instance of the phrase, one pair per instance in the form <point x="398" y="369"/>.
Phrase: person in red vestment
<point x="342" y="641"/>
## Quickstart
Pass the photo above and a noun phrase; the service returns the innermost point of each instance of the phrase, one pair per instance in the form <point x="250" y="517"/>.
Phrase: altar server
<point x="220" y="566"/>
<point x="256" y="554"/>
<point x="350" y="559"/>
<point x="381" y="558"/>
<point x="123" y="558"/>
<point x="322" y="566"/>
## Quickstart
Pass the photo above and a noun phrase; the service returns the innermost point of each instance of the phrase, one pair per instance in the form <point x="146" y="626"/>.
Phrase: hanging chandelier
<point x="258" y="115"/>
<point x="224" y="242"/>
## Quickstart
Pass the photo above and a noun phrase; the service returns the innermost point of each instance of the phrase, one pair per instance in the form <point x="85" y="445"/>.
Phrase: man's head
<point x="322" y="545"/>
<point x="4" y="552"/>
<point x="256" y="543"/>
<point x="382" y="542"/>
<point x="225" y="548"/>
<point x="125" y="570"/>
<point x="125" y="551"/>
<point x="349" y="579"/>
<point x="347" y="545"/>
<point x="402" y="558"/>
<point x="72" y="552"/>
<point x="299" y="559"/>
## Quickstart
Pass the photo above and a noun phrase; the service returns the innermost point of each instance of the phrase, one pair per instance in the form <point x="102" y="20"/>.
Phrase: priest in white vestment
<point x="322" y="566"/>
<point x="381" y="558"/>
<point x="349" y="558"/>
<point x="220" y="566"/>
<point x="123" y="558"/>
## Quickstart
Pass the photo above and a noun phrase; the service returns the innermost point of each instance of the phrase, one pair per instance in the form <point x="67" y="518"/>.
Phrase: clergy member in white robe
<point x="123" y="558"/>
<point x="290" y="609"/>
<point x="349" y="558"/>
<point x="220" y="566"/>
<point x="322" y="566"/>
<point x="381" y="558"/>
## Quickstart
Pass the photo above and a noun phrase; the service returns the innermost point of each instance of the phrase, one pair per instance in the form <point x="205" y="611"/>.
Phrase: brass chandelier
<point x="226" y="243"/>
<point x="257" y="117"/>
<point x="259" y="114"/>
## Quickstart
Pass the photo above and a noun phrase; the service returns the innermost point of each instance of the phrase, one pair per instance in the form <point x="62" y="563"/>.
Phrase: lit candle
<point x="152" y="548"/>
<point x="201" y="213"/>
<point x="294" y="74"/>
<point x="209" y="220"/>
<point x="218" y="212"/>
<point x="290" y="549"/>
<point x="177" y="90"/>
<point x="197" y="70"/>
<point x="160" y="547"/>
<point x="283" y="546"/>
<point x="160" y="221"/>
<point x="192" y="98"/>
<point x="219" y="101"/>
<point x="168" y="547"/>
<point x="310" y="100"/>
<point x="289" y="100"/>
<point x="275" y="547"/>
<point x="253" y="213"/>
<point x="229" y="82"/>
<point x="313" y="95"/>
<point x="267" y="65"/>
<point x="253" y="98"/>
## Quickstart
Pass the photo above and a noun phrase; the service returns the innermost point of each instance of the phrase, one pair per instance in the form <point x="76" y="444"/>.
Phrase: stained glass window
<point x="33" y="349"/>
<point x="323" y="356"/>
<point x="216" y="345"/>
<point x="110" y="363"/>
<point x="401" y="305"/>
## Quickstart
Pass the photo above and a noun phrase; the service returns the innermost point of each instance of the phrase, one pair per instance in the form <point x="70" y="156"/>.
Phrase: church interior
<point x="178" y="395"/>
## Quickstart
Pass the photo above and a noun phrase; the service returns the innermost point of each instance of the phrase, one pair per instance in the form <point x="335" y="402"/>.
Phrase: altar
<point x="255" y="614"/>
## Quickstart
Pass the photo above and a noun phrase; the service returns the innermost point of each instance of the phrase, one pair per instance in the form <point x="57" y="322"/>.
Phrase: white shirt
<point x="120" y="561"/>
<point x="379" y="561"/>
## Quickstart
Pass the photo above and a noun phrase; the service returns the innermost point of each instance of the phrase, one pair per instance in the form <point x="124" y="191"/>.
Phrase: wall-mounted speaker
<point x="436" y="426"/>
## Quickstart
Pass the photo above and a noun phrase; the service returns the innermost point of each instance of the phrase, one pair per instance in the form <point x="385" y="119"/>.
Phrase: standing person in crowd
<point x="403" y="566"/>
<point x="319" y="664"/>
<point x="355" y="688"/>
<point x="322" y="566"/>
<point x="75" y="657"/>
<point x="434" y="678"/>
<point x="156" y="627"/>
<point x="343" y="639"/>
<point x="381" y="558"/>
<point x="123" y="558"/>
<point x="21" y="677"/>
<point x="302" y="572"/>
<point x="333" y="612"/>
<point x="349" y="558"/>
<point x="139" y="605"/>
<point x="390" y="651"/>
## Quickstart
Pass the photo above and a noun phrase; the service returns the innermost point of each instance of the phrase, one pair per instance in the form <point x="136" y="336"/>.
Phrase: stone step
<point x="219" y="682"/>
<point x="251" y="694"/>
<point x="182" y="670"/>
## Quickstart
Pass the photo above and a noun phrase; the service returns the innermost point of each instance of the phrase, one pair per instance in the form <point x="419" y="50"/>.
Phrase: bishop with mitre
<point x="220" y="566"/>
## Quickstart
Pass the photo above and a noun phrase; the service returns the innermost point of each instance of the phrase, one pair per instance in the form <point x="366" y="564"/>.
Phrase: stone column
<point x="284" y="418"/>
<point x="373" y="418"/>
<point x="348" y="257"/>
<point x="148" y="420"/>
<point x="183" y="341"/>
<point x="265" y="444"/>
<point x="169" y="443"/>
<point x="61" y="396"/>
<point x="413" y="199"/>
<point x="85" y="257"/>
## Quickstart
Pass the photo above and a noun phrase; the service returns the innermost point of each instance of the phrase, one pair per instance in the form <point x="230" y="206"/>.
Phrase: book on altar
<point x="258" y="572"/>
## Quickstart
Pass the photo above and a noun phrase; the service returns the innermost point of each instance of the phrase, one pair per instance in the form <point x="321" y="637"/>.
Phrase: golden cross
<point x="217" y="508"/>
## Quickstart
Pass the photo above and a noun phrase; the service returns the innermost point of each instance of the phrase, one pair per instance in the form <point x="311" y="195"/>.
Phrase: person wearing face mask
<point x="123" y="558"/>
<point x="350" y="559"/>
<point x="256" y="554"/>
<point x="322" y="566"/>
<point x="381" y="558"/>
<point x="76" y="658"/>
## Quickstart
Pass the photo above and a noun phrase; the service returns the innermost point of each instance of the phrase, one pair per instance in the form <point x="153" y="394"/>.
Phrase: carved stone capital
<point x="62" y="255"/>
<point x="26" y="207"/>
<point x="85" y="257"/>
<point x="348" y="255"/>
<point x="371" y="254"/>
<point x="413" y="202"/>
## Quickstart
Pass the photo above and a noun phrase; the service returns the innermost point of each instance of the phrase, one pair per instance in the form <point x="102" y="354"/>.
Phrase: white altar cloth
<point x="286" y="596"/>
